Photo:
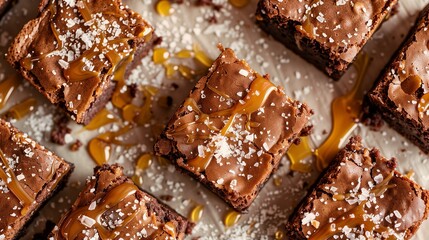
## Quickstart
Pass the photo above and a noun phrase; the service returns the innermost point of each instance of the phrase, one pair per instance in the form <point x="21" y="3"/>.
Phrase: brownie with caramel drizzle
<point x="360" y="196"/>
<point x="232" y="130"/>
<point x="29" y="175"/>
<point x="329" y="33"/>
<point x="401" y="94"/>
<point x="111" y="206"/>
<point x="76" y="52"/>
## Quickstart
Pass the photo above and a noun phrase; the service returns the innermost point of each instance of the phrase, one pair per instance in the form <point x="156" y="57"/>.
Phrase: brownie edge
<point x="111" y="206"/>
<point x="360" y="195"/>
<point x="233" y="151"/>
<point x="33" y="173"/>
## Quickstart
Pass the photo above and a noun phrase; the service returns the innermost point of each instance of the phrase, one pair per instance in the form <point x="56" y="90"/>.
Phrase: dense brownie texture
<point x="29" y="175"/>
<point x="328" y="34"/>
<point x="76" y="51"/>
<point x="360" y="196"/>
<point x="112" y="207"/>
<point x="232" y="130"/>
<point x="401" y="93"/>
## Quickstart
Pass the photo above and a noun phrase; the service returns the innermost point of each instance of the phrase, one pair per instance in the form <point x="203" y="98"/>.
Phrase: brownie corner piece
<point x="232" y="130"/>
<point x="400" y="94"/>
<point x="76" y="52"/>
<point x="360" y="196"/>
<point x="111" y="206"/>
<point x="29" y="176"/>
<point x="329" y="34"/>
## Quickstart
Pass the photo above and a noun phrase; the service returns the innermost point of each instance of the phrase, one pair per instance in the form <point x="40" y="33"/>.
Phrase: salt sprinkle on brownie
<point x="77" y="51"/>
<point x="29" y="175"/>
<point x="329" y="33"/>
<point x="232" y="130"/>
<point x="360" y="196"/>
<point x="111" y="206"/>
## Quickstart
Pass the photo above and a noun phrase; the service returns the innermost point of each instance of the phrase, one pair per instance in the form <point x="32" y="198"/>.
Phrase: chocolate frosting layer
<point x="361" y="195"/>
<point x="343" y="26"/>
<point x="408" y="77"/>
<point x="74" y="49"/>
<point x="245" y="153"/>
<point x="112" y="207"/>
<point x="26" y="168"/>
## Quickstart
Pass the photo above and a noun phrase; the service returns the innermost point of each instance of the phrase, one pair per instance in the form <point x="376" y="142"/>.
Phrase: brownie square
<point x="401" y="93"/>
<point x="29" y="175"/>
<point x="76" y="51"/>
<point x="329" y="34"/>
<point x="232" y="130"/>
<point x="360" y="196"/>
<point x="111" y="206"/>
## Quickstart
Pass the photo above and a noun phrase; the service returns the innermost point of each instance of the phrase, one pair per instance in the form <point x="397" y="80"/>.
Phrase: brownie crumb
<point x="370" y="116"/>
<point x="60" y="130"/>
<point x="76" y="146"/>
<point x="166" y="198"/>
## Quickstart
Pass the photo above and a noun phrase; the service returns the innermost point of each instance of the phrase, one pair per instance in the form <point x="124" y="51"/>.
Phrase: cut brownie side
<point x="232" y="130"/>
<point x="29" y="174"/>
<point x="401" y="93"/>
<point x="360" y="196"/>
<point x="112" y="207"/>
<point x="328" y="34"/>
<point x="76" y="52"/>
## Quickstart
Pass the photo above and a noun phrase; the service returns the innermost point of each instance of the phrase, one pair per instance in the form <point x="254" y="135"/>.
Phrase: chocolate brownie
<point x="111" y="206"/>
<point x="4" y="4"/>
<point x="401" y="95"/>
<point x="232" y="130"/>
<point x="328" y="34"/>
<point x="360" y="196"/>
<point x="76" y="51"/>
<point x="29" y="175"/>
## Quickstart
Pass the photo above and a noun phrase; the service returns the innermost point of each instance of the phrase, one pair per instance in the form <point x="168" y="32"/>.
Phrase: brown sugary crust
<point x="287" y="121"/>
<point x="331" y="177"/>
<point x="14" y="148"/>
<point x="284" y="29"/>
<point x="107" y="177"/>
<point x="379" y="103"/>
<point x="96" y="94"/>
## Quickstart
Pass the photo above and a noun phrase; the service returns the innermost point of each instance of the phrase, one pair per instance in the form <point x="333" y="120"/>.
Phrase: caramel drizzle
<point x="71" y="226"/>
<point x="345" y="110"/>
<point x="7" y="87"/>
<point x="9" y="178"/>
<point x="258" y="93"/>
<point x="326" y="231"/>
<point x="76" y="71"/>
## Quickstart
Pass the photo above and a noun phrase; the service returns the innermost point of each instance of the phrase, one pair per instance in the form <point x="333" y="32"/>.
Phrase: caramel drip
<point x="297" y="153"/>
<point x="7" y="87"/>
<point x="9" y="178"/>
<point x="196" y="213"/>
<point x="21" y="109"/>
<point x="71" y="225"/>
<point x="258" y="93"/>
<point x="239" y="3"/>
<point x="231" y="218"/>
<point x="345" y="111"/>
<point x="359" y="219"/>
<point x="100" y="147"/>
<point x="102" y="118"/>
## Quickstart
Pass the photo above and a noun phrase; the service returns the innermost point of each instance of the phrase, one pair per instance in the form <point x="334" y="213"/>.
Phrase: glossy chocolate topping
<point x="112" y="207"/>
<point x="343" y="26"/>
<point x="75" y="48"/>
<point x="233" y="128"/>
<point x="408" y="75"/>
<point x="361" y="195"/>
<point x="28" y="172"/>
